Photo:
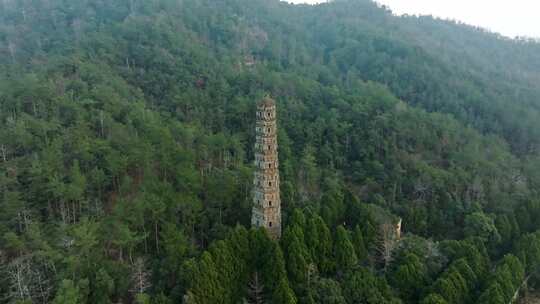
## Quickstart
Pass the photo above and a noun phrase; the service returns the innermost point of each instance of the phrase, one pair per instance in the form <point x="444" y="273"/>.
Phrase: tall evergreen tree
<point x="344" y="253"/>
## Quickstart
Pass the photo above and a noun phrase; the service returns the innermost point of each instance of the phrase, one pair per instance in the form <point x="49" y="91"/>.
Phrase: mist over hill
<point x="127" y="141"/>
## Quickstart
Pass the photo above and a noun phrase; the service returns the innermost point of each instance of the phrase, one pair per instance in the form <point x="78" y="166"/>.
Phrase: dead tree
<point x="387" y="242"/>
<point x="140" y="277"/>
<point x="28" y="280"/>
<point x="255" y="290"/>
<point x="3" y="152"/>
<point x="12" y="49"/>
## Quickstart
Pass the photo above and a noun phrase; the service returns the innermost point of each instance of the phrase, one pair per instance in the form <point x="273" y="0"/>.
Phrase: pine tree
<point x="434" y="299"/>
<point x="206" y="286"/>
<point x="238" y="242"/>
<point x="410" y="277"/>
<point x="493" y="295"/>
<point x="297" y="266"/>
<point x="102" y="287"/>
<point x="283" y="293"/>
<point x="359" y="245"/>
<point x="68" y="293"/>
<point x="344" y="251"/>
<point x="298" y="219"/>
<point x="267" y="258"/>
<point x="324" y="250"/>
<point x="312" y="239"/>
<point x="223" y="258"/>
<point x="362" y="286"/>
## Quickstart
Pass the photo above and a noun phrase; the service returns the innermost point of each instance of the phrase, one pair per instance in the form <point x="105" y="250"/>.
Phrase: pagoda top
<point x="267" y="102"/>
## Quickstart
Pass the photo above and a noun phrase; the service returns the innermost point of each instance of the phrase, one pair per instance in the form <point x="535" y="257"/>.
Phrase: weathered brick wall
<point x="266" y="201"/>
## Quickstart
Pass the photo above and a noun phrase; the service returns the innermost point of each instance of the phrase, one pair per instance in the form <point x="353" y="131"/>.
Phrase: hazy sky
<point x="508" y="17"/>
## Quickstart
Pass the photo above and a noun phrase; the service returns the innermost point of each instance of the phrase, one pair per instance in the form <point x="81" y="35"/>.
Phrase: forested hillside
<point x="126" y="154"/>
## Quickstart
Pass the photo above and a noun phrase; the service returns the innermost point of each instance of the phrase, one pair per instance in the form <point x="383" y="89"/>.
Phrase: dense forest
<point x="126" y="154"/>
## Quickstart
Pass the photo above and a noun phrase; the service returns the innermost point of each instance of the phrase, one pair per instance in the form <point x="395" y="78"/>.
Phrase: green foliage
<point x="297" y="266"/>
<point x="527" y="249"/>
<point x="283" y="293"/>
<point x="126" y="133"/>
<point x="433" y="299"/>
<point x="68" y="293"/>
<point x="322" y="247"/>
<point x="504" y="282"/>
<point x="344" y="253"/>
<point x="493" y="294"/>
<point x="207" y="286"/>
<point x="359" y="244"/>
<point x="410" y="277"/>
<point x="361" y="286"/>
<point x="480" y="225"/>
<point x="142" y="299"/>
<point x="327" y="291"/>
<point x="458" y="283"/>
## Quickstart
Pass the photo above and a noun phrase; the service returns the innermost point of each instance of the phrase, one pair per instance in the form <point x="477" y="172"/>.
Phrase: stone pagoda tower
<point x="266" y="202"/>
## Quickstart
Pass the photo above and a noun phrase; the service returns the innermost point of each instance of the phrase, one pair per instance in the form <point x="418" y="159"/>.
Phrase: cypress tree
<point x="410" y="277"/>
<point x="359" y="245"/>
<point x="267" y="259"/>
<point x="239" y="244"/>
<point x="223" y="258"/>
<point x="434" y="298"/>
<point x="68" y="293"/>
<point x="312" y="239"/>
<point x="283" y="293"/>
<point x="344" y="252"/>
<point x="493" y="295"/>
<point x="206" y="286"/>
<point x="323" y="252"/>
<point x="297" y="266"/>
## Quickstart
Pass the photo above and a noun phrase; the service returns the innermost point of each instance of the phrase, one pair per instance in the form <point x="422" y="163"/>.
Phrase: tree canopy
<point x="127" y="138"/>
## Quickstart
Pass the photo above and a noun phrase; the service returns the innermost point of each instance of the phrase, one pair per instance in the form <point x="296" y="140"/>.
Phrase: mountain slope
<point x="126" y="150"/>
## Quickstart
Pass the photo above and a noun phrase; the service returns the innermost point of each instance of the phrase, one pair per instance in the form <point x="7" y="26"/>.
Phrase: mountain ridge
<point x="127" y="148"/>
